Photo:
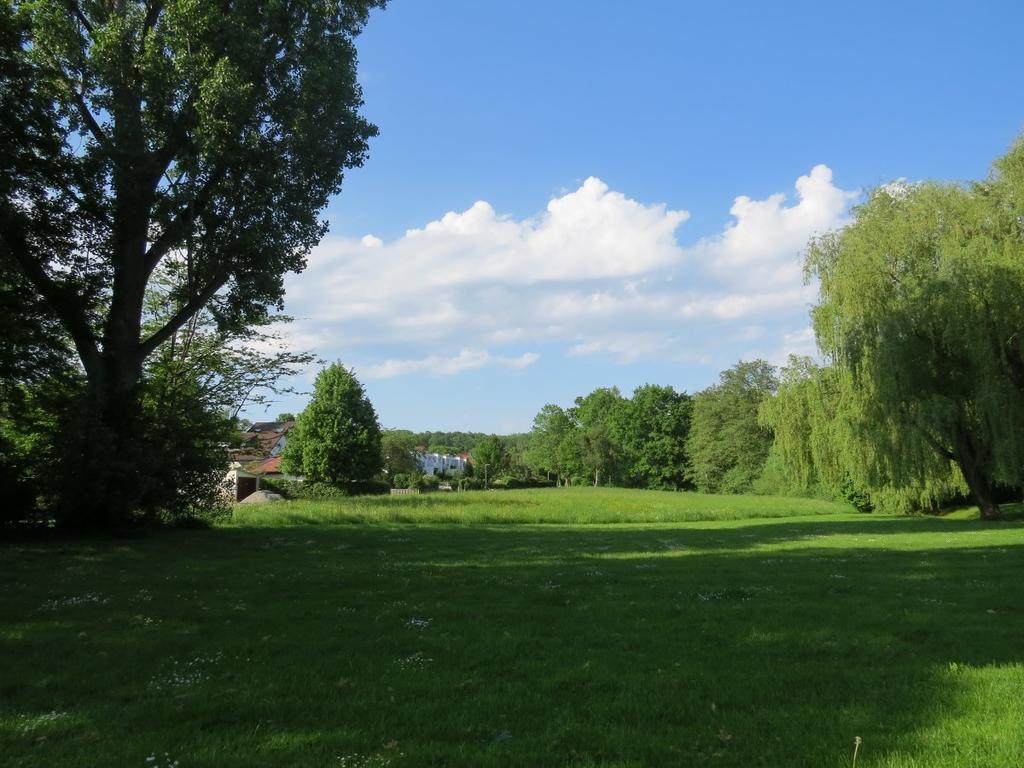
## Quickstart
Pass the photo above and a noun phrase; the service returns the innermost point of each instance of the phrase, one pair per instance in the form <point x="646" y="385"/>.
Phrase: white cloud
<point x="596" y="272"/>
<point x="437" y="365"/>
<point x="763" y="244"/>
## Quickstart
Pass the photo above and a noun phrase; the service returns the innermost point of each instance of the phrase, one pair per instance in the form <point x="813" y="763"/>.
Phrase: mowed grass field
<point x="568" y="627"/>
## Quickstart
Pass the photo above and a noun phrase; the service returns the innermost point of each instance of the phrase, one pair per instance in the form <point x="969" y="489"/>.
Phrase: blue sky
<point x="568" y="195"/>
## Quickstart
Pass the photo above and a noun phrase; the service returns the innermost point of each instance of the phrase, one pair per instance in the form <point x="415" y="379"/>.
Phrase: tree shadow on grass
<point x="642" y="538"/>
<point x="753" y="644"/>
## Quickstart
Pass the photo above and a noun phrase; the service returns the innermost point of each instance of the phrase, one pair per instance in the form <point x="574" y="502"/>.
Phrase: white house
<point x="436" y="463"/>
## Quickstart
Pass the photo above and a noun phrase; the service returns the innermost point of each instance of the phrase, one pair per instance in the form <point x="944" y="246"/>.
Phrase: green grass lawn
<point x="555" y="628"/>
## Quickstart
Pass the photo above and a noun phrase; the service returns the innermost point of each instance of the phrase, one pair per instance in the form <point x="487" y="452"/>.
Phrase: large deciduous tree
<point x="921" y="313"/>
<point x="727" y="447"/>
<point x="337" y="439"/>
<point x="655" y="425"/>
<point x="595" y="444"/>
<point x="547" y="442"/>
<point x="490" y="457"/>
<point x="200" y="137"/>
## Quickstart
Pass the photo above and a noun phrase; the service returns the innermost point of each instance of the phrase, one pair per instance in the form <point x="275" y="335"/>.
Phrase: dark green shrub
<point x="428" y="482"/>
<point x="297" y="489"/>
<point x="368" y="488"/>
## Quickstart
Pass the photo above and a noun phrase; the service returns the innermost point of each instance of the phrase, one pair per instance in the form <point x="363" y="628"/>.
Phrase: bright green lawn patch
<point x="770" y="642"/>
<point x="568" y="506"/>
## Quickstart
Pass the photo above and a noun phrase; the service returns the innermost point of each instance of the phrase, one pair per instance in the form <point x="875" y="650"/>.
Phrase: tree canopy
<point x="727" y="446"/>
<point x="337" y="438"/>
<point x="175" y="137"/>
<point x="921" y="313"/>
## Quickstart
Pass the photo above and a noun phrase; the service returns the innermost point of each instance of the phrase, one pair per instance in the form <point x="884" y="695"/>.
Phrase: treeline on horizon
<point x="919" y="400"/>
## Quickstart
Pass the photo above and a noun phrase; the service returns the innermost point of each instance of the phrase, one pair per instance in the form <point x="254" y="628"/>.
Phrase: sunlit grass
<point x="571" y="506"/>
<point x="733" y="642"/>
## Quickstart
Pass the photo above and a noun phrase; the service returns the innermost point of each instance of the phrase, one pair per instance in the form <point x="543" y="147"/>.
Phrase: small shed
<point x="241" y="481"/>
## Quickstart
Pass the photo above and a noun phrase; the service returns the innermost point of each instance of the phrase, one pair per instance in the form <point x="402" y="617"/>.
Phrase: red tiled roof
<point x="271" y="466"/>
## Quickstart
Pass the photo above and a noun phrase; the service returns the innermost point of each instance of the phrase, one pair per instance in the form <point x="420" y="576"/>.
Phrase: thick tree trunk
<point x="105" y="461"/>
<point x="979" y="482"/>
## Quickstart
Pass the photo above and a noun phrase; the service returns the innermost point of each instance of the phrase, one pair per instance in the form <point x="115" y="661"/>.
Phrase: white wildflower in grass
<point x="837" y="576"/>
<point x="417" y="622"/>
<point x="28" y="724"/>
<point x="549" y="585"/>
<point x="418" y="660"/>
<point x="726" y="594"/>
<point x="357" y="760"/>
<point x="144" y="595"/>
<point x="186" y="674"/>
<point x="161" y="761"/>
<point x="89" y="598"/>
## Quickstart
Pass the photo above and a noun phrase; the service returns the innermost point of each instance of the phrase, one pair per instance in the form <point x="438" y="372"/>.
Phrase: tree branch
<point x="153" y="11"/>
<point x="182" y="220"/>
<point x="86" y="115"/>
<point x="76" y="10"/>
<point x="178" y="133"/>
<point x="179" y="318"/>
<point x="934" y="443"/>
<point x="61" y="301"/>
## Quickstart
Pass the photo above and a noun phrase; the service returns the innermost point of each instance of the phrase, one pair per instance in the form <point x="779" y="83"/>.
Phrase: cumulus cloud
<point x="445" y="366"/>
<point x="596" y="273"/>
<point x="764" y="242"/>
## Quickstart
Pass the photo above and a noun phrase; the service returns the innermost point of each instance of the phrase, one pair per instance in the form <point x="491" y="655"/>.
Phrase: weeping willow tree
<point x="816" y="450"/>
<point x="921" y="312"/>
<point x="807" y="450"/>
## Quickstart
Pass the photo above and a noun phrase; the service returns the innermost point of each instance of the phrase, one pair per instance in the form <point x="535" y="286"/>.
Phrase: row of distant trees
<point x="918" y="400"/>
<point x="338" y="445"/>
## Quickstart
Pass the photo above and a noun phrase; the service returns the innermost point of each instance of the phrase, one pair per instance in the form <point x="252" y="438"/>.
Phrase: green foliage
<point x="309" y="491"/>
<point x="546" y="447"/>
<point x="175" y="139"/>
<point x="454" y="442"/>
<point x="426" y="482"/>
<point x="817" y="452"/>
<point x="184" y="449"/>
<point x="337" y="438"/>
<point x="490" y="452"/>
<point x="920" y="311"/>
<point x="302" y="490"/>
<point x="727" y="447"/>
<point x="654" y="426"/>
<point x="607" y="438"/>
<point x="813" y="452"/>
<point x="595" y="446"/>
<point x="398" y="456"/>
<point x="369" y="487"/>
